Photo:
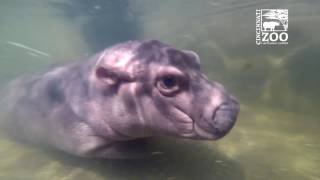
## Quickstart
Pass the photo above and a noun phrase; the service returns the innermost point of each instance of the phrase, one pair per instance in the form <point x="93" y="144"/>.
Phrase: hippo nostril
<point x="224" y="117"/>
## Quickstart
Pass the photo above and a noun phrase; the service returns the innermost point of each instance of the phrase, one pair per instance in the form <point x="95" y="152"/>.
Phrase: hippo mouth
<point x="221" y="122"/>
<point x="186" y="123"/>
<point x="215" y="127"/>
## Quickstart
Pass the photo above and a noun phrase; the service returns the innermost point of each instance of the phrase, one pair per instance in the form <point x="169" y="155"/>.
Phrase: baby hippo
<point x="132" y="90"/>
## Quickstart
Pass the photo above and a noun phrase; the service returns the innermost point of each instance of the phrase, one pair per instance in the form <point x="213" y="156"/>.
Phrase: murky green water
<point x="277" y="135"/>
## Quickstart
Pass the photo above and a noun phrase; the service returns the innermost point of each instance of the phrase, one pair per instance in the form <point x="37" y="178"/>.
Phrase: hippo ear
<point x="194" y="55"/>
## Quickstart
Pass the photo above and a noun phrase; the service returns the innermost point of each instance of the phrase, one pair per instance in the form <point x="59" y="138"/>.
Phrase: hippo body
<point x="132" y="90"/>
<point x="270" y="25"/>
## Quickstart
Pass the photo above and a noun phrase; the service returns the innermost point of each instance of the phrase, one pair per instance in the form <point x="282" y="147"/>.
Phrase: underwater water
<point x="278" y="130"/>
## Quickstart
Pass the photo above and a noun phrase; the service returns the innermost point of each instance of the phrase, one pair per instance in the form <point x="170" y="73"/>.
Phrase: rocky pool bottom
<point x="264" y="144"/>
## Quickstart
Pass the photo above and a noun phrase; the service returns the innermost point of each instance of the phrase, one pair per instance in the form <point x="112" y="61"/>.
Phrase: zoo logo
<point x="271" y="26"/>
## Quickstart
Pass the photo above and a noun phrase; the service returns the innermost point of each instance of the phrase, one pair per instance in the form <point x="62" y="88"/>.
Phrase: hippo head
<point x="148" y="88"/>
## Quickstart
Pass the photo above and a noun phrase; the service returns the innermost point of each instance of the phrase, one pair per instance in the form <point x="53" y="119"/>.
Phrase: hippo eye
<point x="169" y="84"/>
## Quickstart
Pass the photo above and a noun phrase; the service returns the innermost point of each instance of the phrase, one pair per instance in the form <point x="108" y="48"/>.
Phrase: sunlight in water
<point x="277" y="134"/>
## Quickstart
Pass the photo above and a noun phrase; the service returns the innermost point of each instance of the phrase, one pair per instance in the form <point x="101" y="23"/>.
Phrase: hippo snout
<point x="224" y="117"/>
<point x="218" y="113"/>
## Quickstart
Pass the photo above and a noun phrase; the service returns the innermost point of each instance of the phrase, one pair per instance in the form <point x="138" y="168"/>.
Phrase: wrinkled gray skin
<point x="131" y="90"/>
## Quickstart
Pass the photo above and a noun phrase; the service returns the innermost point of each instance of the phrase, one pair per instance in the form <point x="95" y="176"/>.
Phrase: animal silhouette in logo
<point x="270" y="25"/>
<point x="274" y="19"/>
